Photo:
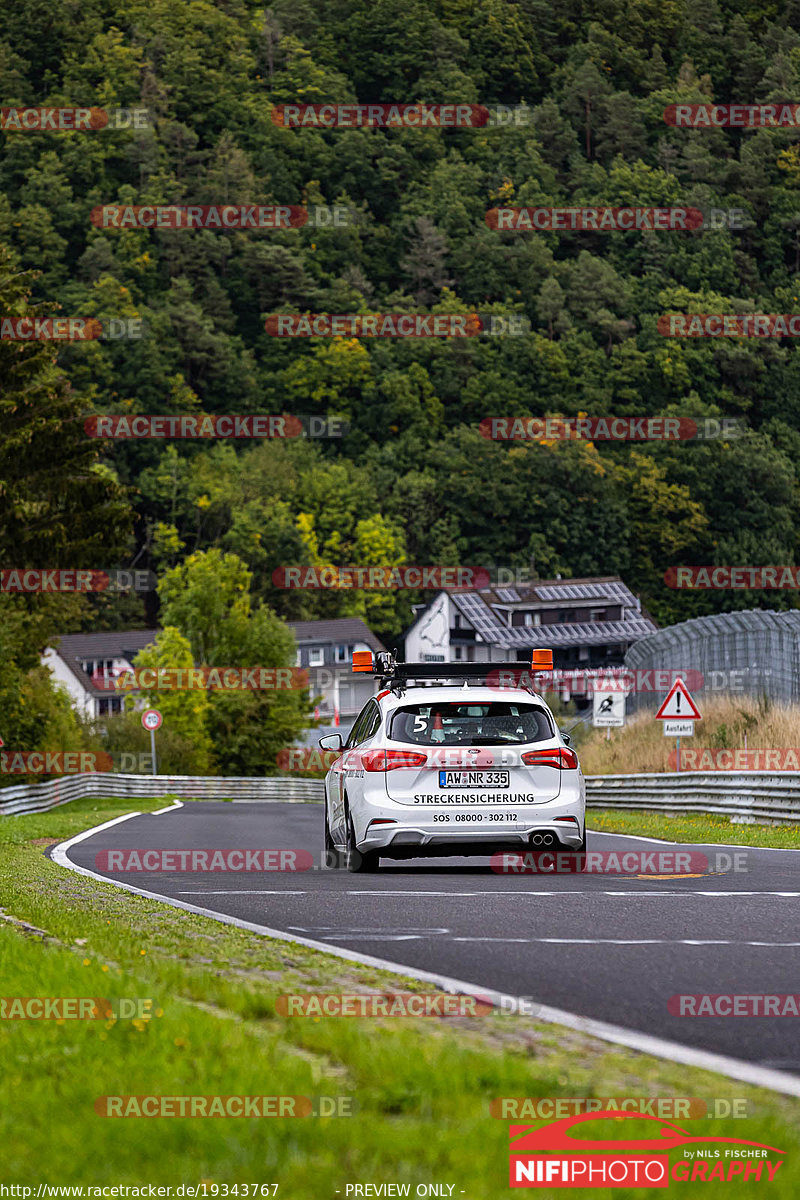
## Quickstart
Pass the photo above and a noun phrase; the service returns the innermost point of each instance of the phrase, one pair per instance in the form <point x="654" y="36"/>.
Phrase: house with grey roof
<point x="82" y="662"/>
<point x="589" y="624"/>
<point x="325" y="649"/>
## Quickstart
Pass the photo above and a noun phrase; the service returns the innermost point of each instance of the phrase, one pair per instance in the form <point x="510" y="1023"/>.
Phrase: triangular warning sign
<point x="678" y="705"/>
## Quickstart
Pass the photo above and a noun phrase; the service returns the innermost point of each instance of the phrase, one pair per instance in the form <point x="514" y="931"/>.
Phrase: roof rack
<point x="392" y="673"/>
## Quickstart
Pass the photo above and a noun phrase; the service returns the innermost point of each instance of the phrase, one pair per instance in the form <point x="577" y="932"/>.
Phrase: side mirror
<point x="567" y="738"/>
<point x="331" y="741"/>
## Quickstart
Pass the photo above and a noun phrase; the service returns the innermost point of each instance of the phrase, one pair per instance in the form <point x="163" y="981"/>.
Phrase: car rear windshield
<point x="470" y="724"/>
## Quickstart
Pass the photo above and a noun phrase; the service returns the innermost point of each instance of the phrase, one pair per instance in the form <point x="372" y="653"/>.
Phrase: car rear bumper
<point x="470" y="830"/>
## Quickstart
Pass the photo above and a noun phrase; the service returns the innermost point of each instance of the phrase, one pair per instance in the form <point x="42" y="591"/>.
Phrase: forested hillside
<point x="414" y="480"/>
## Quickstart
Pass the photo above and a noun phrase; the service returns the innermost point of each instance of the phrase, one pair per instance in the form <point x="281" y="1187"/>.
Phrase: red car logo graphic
<point x="555" y="1136"/>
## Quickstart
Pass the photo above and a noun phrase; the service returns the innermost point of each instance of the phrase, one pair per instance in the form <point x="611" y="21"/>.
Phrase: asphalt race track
<point x="610" y="947"/>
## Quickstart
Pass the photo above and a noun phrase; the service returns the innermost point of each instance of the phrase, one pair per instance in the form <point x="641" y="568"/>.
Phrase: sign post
<point x="679" y="712"/>
<point x="151" y="719"/>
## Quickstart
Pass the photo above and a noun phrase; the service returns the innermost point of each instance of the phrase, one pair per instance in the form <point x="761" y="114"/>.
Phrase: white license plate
<point x="469" y="779"/>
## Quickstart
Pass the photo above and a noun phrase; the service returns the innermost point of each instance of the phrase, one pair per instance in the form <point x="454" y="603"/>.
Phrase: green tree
<point x="208" y="598"/>
<point x="185" y="712"/>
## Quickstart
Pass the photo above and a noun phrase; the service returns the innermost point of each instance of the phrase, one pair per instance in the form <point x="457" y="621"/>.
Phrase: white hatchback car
<point x="457" y="769"/>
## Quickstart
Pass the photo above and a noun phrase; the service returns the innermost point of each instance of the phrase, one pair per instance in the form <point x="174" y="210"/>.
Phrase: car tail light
<point x="559" y="757"/>
<point x="391" y="760"/>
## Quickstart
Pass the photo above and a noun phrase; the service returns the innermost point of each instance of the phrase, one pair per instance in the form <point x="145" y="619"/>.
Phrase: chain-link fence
<point x="750" y="653"/>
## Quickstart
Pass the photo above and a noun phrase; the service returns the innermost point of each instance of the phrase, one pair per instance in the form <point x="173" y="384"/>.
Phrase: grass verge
<point x="421" y="1087"/>
<point x="729" y="723"/>
<point x="690" y="827"/>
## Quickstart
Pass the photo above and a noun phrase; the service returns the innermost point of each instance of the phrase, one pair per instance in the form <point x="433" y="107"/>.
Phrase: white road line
<point x="239" y="892"/>
<point x="170" y="808"/>
<point x="644" y="1043"/>
<point x="378" y="936"/>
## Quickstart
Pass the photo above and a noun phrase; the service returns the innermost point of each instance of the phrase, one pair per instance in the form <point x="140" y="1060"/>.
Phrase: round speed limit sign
<point x="151" y="718"/>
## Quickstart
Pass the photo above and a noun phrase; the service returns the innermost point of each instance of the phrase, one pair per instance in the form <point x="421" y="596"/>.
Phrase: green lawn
<point x="686" y="827"/>
<point x="421" y="1087"/>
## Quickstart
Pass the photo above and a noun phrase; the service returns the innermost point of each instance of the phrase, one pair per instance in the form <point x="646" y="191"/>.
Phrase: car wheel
<point x="358" y="860"/>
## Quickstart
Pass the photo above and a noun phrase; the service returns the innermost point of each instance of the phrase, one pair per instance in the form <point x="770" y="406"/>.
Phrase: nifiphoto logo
<point x="576" y="1151"/>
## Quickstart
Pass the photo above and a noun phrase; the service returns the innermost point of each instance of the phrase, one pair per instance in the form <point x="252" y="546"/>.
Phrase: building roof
<point x="478" y="609"/>
<point x="71" y="647"/>
<point x="608" y="589"/>
<point x="105" y="644"/>
<point x="339" y="629"/>
<point x="584" y="633"/>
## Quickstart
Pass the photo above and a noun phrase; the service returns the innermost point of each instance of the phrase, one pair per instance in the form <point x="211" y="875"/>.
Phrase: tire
<point x="358" y="860"/>
<point x="333" y="856"/>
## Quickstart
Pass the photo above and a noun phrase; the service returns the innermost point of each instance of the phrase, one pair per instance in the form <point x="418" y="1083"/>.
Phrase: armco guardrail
<point x="761" y="796"/>
<point x="755" y="796"/>
<point x="38" y="797"/>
